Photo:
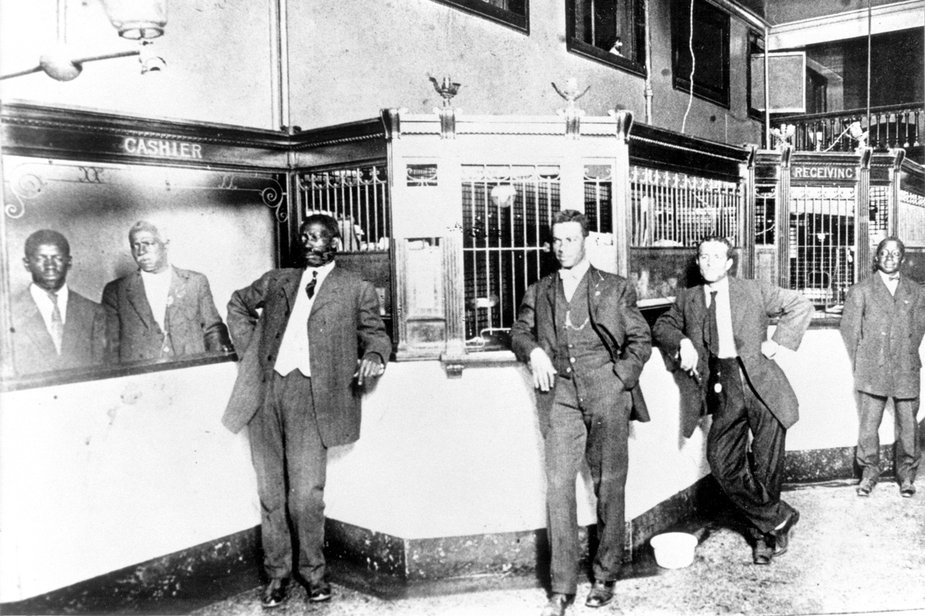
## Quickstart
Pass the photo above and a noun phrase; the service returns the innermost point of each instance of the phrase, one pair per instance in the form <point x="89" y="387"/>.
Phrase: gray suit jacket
<point x="614" y="317"/>
<point x="752" y="303"/>
<point x="192" y="321"/>
<point x="882" y="333"/>
<point x="343" y="326"/>
<point x="82" y="344"/>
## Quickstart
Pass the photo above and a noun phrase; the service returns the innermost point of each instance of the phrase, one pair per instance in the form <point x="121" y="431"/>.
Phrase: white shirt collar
<point x="721" y="285"/>
<point x="886" y="277"/>
<point x="575" y="272"/>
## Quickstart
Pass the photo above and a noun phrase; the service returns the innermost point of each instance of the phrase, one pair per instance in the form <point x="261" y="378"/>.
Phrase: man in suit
<point x="717" y="333"/>
<point x="306" y="357"/>
<point x="54" y="327"/>
<point x="882" y="325"/>
<point x="160" y="312"/>
<point x="586" y="343"/>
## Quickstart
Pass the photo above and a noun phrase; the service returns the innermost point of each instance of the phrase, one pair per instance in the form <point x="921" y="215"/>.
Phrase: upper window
<point x="514" y="13"/>
<point x="703" y="28"/>
<point x="610" y="31"/>
<point x="755" y="77"/>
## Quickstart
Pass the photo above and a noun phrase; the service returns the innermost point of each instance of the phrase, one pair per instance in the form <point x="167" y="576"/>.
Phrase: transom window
<point x="610" y="31"/>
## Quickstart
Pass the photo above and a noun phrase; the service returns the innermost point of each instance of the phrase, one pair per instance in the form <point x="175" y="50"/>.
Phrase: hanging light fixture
<point x="137" y="19"/>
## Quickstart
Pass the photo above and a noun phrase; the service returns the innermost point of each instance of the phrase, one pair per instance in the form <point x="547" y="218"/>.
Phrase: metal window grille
<point x="357" y="197"/>
<point x="765" y="215"/>
<point x="911" y="218"/>
<point x="676" y="209"/>
<point x="507" y="217"/>
<point x="822" y="227"/>
<point x="598" y="185"/>
<point x="879" y="210"/>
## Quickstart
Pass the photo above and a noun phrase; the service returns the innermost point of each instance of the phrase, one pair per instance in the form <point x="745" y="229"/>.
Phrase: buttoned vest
<point x="578" y="347"/>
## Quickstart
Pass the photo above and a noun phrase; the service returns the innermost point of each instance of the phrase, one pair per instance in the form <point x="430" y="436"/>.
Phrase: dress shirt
<point x="157" y="289"/>
<point x="727" y="345"/>
<point x="294" y="351"/>
<point x="890" y="280"/>
<point x="572" y="276"/>
<point x="45" y="307"/>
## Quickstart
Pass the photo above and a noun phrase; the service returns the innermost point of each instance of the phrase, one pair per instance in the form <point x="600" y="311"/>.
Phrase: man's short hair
<point x="144" y="225"/>
<point x="46" y="236"/>
<point x="719" y="239"/>
<point x="892" y="238"/>
<point x="325" y="221"/>
<point x="572" y="216"/>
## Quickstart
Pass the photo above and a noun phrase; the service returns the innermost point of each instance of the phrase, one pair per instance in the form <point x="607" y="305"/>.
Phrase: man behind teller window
<point x="160" y="311"/>
<point x="53" y="326"/>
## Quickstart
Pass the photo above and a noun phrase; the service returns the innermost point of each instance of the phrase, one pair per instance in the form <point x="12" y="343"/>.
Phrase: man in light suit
<point x="54" y="327"/>
<point x="882" y="327"/>
<point x="306" y="358"/>
<point x="160" y="312"/>
<point x="717" y="334"/>
<point x="586" y="343"/>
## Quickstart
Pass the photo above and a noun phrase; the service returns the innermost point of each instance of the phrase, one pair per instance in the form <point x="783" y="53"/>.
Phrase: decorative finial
<point x="447" y="88"/>
<point x="570" y="93"/>
<point x="782" y="135"/>
<point x="571" y="113"/>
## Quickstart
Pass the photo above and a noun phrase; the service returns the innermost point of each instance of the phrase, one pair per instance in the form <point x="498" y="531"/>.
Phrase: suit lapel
<point x="175" y="293"/>
<point x="551" y="283"/>
<point x="135" y="293"/>
<point x="330" y="290"/>
<point x="738" y="306"/>
<point x="289" y="286"/>
<point x="35" y="324"/>
<point x="880" y="292"/>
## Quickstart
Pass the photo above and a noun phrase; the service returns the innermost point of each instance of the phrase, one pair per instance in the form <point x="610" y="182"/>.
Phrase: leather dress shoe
<point x="320" y="593"/>
<point x="907" y="488"/>
<point x="762" y="551"/>
<point x="601" y="594"/>
<point x="556" y="605"/>
<point x="866" y="486"/>
<point x="782" y="534"/>
<point x="275" y="593"/>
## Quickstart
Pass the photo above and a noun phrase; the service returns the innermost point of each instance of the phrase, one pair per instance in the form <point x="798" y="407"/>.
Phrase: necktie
<point x="57" y="324"/>
<point x="310" y="287"/>
<point x="712" y="328"/>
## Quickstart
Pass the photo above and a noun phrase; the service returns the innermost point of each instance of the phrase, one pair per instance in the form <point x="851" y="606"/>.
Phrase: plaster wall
<point x="101" y="475"/>
<point x="361" y="58"/>
<point x="217" y="53"/>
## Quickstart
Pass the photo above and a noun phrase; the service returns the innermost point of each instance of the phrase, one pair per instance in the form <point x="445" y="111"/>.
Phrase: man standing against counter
<point x="586" y="342"/>
<point x="304" y="362"/>
<point x="718" y="334"/>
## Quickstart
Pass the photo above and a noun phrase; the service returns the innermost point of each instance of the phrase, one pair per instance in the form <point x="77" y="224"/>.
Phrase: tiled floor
<point x="848" y="556"/>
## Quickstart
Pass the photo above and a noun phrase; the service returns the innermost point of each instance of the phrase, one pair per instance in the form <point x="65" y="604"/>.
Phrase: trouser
<point x="291" y="464"/>
<point x="907" y="449"/>
<point x="752" y="483"/>
<point x="589" y="419"/>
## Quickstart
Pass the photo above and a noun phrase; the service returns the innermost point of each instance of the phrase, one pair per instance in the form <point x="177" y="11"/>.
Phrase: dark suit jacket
<point x="192" y="321"/>
<point x="82" y="344"/>
<point x="343" y="326"/>
<point x="882" y="333"/>
<point x="614" y="317"/>
<point x="752" y="304"/>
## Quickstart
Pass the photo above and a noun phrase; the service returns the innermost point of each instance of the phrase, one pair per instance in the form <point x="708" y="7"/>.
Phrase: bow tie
<point x="892" y="278"/>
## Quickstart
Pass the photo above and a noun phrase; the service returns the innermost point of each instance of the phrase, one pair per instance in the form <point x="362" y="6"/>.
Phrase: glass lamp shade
<point x="137" y="19"/>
